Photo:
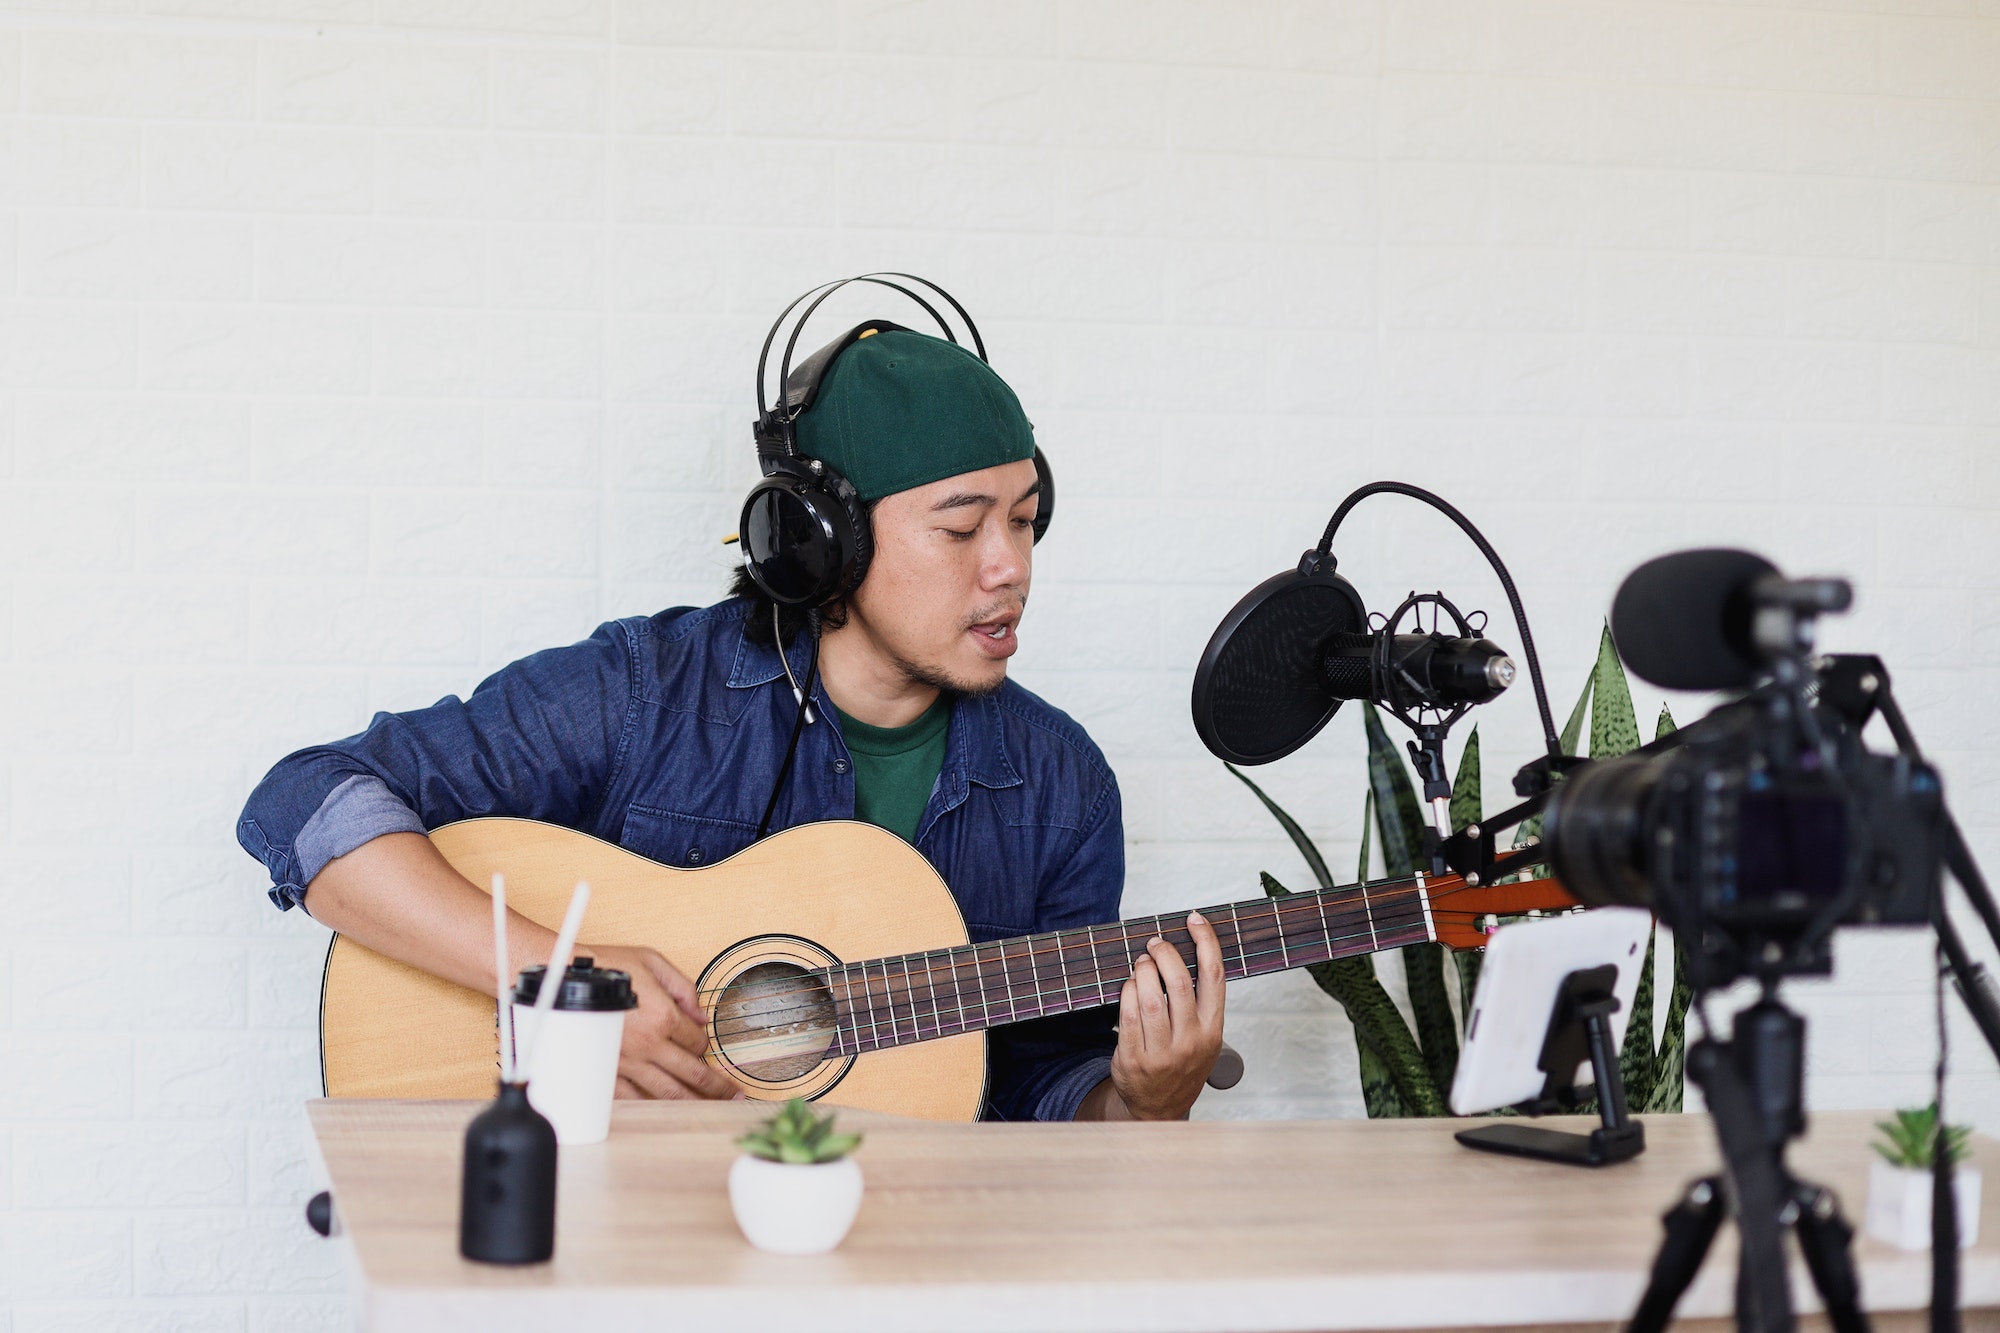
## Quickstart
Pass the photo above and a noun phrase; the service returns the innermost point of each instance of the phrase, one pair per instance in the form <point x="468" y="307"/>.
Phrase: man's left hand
<point x="1169" y="1027"/>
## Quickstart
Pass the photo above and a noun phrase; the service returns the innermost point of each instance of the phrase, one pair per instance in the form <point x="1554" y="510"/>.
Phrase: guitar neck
<point x="885" y="1002"/>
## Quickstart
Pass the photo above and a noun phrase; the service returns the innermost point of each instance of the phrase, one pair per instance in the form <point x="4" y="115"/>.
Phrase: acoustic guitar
<point x="833" y="962"/>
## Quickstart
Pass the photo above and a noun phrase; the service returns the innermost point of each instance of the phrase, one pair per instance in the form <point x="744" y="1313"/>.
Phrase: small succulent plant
<point x="798" y="1136"/>
<point x="1910" y="1140"/>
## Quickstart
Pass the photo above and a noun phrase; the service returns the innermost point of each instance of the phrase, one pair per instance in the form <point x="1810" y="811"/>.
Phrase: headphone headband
<point x="782" y="414"/>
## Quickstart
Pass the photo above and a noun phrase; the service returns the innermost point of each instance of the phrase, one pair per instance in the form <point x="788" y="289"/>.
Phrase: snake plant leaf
<point x="1314" y="861"/>
<point x="1430" y="1005"/>
<point x="1399" y="815"/>
<point x="1467" y="808"/>
<point x="1572" y="732"/>
<point x="1378" y="1026"/>
<point x="1530" y="828"/>
<point x="1398" y="812"/>
<point x="1378" y="1090"/>
<point x="1670" y="1066"/>
<point x="1670" y="1063"/>
<point x="1636" y="1064"/>
<point x="1465" y="792"/>
<point x="1367" y="831"/>
<point x="1614" y="730"/>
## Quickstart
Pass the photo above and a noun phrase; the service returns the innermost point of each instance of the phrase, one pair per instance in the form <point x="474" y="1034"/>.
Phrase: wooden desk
<point x="1217" y="1224"/>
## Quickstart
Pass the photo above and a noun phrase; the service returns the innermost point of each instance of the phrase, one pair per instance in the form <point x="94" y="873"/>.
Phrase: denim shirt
<point x="663" y="734"/>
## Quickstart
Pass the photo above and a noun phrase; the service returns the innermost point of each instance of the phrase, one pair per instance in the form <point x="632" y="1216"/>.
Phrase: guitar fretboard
<point x="894" y="1001"/>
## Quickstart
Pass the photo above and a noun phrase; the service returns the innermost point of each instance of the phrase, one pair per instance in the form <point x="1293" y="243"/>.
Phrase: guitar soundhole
<point x="775" y="1021"/>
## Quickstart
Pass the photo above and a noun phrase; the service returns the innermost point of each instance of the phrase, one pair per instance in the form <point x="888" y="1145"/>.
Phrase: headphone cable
<point x="786" y="662"/>
<point x="798" y="723"/>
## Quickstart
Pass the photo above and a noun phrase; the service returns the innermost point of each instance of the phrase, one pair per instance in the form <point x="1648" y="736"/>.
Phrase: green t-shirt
<point x="896" y="767"/>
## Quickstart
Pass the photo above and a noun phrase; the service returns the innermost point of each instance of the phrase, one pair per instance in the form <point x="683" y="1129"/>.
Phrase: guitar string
<point x="892" y="1009"/>
<point x="1303" y="903"/>
<point x="1270" y="913"/>
<point x="883" y="1005"/>
<point x="1106" y="988"/>
<point x="870" y="1016"/>
<point x="1340" y="893"/>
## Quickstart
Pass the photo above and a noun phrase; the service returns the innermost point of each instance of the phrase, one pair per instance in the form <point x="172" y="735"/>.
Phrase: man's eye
<point x="1024" y="522"/>
<point x="965" y="536"/>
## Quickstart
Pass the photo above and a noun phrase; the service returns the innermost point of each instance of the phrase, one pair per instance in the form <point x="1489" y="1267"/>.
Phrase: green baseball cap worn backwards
<point x="899" y="409"/>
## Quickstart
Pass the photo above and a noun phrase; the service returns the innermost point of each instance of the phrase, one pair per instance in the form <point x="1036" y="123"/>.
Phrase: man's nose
<point x="1002" y="562"/>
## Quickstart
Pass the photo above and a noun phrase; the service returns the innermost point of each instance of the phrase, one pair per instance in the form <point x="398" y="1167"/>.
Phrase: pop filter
<point x="1259" y="692"/>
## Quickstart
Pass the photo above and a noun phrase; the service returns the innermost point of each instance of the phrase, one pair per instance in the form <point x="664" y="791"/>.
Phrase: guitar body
<point x="799" y="900"/>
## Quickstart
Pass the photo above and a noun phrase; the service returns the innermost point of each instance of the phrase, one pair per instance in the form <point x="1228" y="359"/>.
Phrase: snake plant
<point x="1409" y="1073"/>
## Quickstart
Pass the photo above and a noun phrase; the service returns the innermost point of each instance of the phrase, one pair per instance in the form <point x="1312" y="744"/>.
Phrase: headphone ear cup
<point x="859" y="523"/>
<point x="1045" y="508"/>
<point x="800" y="543"/>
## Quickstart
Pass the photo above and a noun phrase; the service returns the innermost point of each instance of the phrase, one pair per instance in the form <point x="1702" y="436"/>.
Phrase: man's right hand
<point x="398" y="896"/>
<point x="666" y="1035"/>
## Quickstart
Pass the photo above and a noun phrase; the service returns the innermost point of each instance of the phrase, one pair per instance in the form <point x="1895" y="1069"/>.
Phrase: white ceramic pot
<point x="789" y="1208"/>
<point x="1899" y="1205"/>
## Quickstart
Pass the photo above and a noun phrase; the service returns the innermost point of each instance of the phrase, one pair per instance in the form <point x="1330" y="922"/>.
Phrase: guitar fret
<point x="873" y="1022"/>
<point x="1284" y="951"/>
<point x="860" y="1037"/>
<point x="839" y="1028"/>
<point x="1013" y="1014"/>
<point x="1236" y="924"/>
<point x="1034" y="974"/>
<point x="1368" y="908"/>
<point x="916" y="1031"/>
<point x="1324" y="929"/>
<point x="937" y="1014"/>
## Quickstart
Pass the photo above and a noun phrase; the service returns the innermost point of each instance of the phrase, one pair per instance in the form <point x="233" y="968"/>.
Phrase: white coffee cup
<point x="572" y="1050"/>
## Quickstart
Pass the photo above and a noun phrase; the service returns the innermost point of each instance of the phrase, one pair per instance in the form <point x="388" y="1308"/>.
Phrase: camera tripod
<point x="1754" y="1084"/>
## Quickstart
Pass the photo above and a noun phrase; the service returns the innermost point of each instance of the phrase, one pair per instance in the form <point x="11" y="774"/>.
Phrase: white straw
<point x="545" y="999"/>
<point x="502" y="981"/>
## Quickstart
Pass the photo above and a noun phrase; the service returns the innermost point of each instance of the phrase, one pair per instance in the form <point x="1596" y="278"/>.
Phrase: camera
<point x="1754" y="835"/>
<point x="1758" y="829"/>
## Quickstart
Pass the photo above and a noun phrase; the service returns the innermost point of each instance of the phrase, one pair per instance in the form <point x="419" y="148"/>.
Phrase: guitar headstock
<point x="1459" y="910"/>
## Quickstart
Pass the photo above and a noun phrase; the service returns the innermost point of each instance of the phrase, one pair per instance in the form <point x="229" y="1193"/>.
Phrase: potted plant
<point x="795" y="1190"/>
<point x="1899" y="1185"/>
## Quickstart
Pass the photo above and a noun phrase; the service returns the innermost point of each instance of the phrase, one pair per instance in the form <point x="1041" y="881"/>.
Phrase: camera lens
<point x="1594" y="828"/>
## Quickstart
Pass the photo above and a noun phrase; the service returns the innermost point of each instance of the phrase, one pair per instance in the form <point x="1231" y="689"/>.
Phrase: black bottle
<point x="507" y="1210"/>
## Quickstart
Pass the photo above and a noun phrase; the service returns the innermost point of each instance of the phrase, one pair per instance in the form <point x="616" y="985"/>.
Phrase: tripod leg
<point x="1691" y="1225"/>
<point x="1824" y="1237"/>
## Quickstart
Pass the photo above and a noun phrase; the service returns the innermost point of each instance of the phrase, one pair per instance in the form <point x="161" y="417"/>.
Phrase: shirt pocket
<point x="688" y="841"/>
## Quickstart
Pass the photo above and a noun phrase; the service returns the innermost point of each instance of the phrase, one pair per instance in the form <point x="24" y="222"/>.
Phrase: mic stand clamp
<point x="1579" y="1028"/>
<point x="1427" y="754"/>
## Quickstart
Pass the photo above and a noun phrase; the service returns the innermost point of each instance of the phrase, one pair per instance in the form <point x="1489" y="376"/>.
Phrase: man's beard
<point x="935" y="677"/>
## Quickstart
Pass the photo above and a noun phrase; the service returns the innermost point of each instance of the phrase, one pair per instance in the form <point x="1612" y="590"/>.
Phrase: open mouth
<point x="996" y="637"/>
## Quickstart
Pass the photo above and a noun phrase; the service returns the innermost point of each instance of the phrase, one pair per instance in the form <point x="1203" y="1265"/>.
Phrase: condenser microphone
<point x="1297" y="646"/>
<point x="1716" y="619"/>
<point x="1411" y="671"/>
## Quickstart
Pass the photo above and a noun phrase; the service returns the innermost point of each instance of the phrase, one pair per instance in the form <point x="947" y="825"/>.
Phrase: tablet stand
<point x="1579" y="1029"/>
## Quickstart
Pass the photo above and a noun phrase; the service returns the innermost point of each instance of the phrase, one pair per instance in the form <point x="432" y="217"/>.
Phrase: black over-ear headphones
<point x="805" y="534"/>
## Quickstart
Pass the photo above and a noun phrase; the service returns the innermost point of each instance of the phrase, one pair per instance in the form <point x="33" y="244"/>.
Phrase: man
<point x="669" y="736"/>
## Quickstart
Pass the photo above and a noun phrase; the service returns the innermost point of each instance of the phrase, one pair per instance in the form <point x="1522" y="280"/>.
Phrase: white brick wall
<point x="355" y="347"/>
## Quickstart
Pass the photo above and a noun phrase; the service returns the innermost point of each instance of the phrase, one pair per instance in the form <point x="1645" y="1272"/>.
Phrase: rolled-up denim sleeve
<point x="538" y="739"/>
<point x="1042" y="1069"/>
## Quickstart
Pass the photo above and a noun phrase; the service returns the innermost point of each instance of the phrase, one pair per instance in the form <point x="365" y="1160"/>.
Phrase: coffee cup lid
<point x="585" y="986"/>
